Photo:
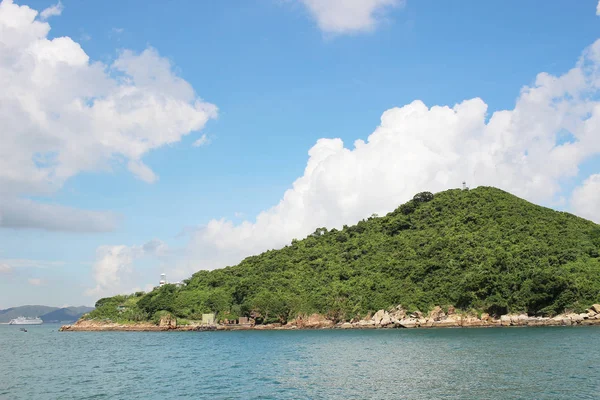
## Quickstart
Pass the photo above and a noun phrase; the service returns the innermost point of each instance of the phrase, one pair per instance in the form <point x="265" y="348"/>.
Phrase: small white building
<point x="208" y="319"/>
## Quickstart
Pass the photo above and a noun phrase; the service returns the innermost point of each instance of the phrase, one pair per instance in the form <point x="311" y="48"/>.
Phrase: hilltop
<point x="47" y="314"/>
<point x="479" y="250"/>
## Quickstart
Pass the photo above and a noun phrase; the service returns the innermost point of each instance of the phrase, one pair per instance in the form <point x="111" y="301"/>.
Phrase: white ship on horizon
<point x="26" y="321"/>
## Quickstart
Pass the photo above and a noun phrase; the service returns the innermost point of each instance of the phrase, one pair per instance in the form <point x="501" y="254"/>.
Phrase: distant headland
<point x="490" y="257"/>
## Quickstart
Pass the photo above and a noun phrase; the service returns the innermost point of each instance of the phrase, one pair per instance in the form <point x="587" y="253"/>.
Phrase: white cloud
<point x="64" y="114"/>
<point x="348" y="16"/>
<point x="418" y="148"/>
<point x="113" y="269"/>
<point x="5" y="268"/>
<point x="585" y="200"/>
<point x="35" y="281"/>
<point x="204" y="140"/>
<point x="598" y="9"/>
<point x="142" y="171"/>
<point x="52" y="11"/>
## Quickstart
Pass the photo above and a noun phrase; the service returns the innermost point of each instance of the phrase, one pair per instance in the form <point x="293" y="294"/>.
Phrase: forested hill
<point x="481" y="249"/>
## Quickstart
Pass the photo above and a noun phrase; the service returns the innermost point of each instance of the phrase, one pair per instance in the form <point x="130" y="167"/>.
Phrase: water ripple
<point x="542" y="363"/>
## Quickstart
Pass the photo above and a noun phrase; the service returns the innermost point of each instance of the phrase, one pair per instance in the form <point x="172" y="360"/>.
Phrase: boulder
<point x="408" y="323"/>
<point x="411" y="323"/>
<point x="425" y="322"/>
<point x="168" y="321"/>
<point x="437" y="313"/>
<point x="378" y="317"/>
<point x="505" y="320"/>
<point x="386" y="320"/>
<point x="575" y="318"/>
<point x="365" y="323"/>
<point x="451" y="310"/>
<point x="398" y="314"/>
<point x="596" y="308"/>
<point x="314" y="321"/>
<point x="591" y="313"/>
<point x="519" y="320"/>
<point x="346" y="325"/>
<point x="562" y="319"/>
<point x="590" y="322"/>
<point x="485" y="317"/>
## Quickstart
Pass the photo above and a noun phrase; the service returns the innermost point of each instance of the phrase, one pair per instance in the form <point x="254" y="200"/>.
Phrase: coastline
<point x="382" y="319"/>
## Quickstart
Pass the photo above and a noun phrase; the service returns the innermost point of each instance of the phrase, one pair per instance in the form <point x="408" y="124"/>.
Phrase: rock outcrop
<point x="382" y="319"/>
<point x="168" y="321"/>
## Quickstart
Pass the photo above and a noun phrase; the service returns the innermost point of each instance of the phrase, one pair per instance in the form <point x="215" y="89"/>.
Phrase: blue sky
<point x="273" y="77"/>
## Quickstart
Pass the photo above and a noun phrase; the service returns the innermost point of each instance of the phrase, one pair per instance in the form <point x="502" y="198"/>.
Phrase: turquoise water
<point x="508" y="363"/>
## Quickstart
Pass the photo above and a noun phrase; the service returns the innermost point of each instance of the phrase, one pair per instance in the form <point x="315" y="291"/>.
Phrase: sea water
<point x="493" y="363"/>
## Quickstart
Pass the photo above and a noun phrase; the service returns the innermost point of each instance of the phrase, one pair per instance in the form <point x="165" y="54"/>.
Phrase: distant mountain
<point x="47" y="314"/>
<point x="66" y="314"/>
<point x="25" y="311"/>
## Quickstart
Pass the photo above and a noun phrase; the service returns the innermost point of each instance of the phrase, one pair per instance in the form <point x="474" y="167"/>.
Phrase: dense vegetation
<point x="481" y="249"/>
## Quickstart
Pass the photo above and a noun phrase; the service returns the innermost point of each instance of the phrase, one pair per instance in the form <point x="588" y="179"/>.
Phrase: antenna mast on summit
<point x="464" y="185"/>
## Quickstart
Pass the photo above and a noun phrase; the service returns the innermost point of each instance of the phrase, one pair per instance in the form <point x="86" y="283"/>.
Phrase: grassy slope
<point x="481" y="249"/>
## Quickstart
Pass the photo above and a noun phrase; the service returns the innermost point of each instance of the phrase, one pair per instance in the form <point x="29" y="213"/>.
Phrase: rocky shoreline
<point x="382" y="319"/>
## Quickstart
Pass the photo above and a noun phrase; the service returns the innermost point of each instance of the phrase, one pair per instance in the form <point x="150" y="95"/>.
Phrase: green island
<point x="458" y="251"/>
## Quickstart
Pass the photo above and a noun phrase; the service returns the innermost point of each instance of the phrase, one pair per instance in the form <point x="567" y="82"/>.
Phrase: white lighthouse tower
<point x="163" y="279"/>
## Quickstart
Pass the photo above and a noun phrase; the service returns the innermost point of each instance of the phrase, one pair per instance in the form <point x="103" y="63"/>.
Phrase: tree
<point x="423" y="197"/>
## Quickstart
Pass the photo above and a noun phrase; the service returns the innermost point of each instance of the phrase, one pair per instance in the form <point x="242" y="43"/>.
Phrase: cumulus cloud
<point x="416" y="148"/>
<point x="52" y="11"/>
<point x="348" y="16"/>
<point x="585" y="200"/>
<point x="113" y="268"/>
<point x="598" y="9"/>
<point x="35" y="281"/>
<point x="64" y="114"/>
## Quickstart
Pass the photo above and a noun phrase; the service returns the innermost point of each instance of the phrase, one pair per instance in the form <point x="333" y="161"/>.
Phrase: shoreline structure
<point x="396" y="318"/>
